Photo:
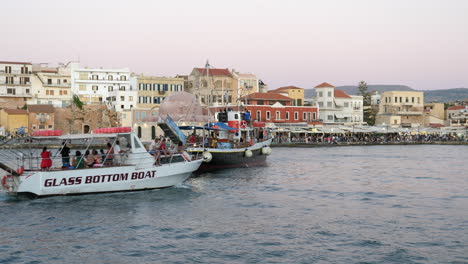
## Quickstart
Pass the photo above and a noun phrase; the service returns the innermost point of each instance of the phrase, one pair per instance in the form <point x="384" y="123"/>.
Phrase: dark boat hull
<point x="233" y="159"/>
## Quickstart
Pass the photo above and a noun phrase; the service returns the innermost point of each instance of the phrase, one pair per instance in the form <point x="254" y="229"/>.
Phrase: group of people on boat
<point x="159" y="149"/>
<point x="91" y="159"/>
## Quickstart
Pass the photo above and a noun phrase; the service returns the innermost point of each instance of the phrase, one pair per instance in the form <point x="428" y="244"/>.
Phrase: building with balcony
<point x="457" y="116"/>
<point x="51" y="85"/>
<point x="15" y="83"/>
<point x="247" y="83"/>
<point x="113" y="87"/>
<point x="152" y="90"/>
<point x="293" y="92"/>
<point x="338" y="107"/>
<point x="41" y="117"/>
<point x="401" y="109"/>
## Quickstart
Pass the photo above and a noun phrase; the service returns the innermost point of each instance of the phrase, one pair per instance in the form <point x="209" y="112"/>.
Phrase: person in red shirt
<point x="46" y="162"/>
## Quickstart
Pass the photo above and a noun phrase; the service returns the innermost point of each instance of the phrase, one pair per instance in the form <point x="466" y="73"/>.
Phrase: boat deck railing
<point x="32" y="162"/>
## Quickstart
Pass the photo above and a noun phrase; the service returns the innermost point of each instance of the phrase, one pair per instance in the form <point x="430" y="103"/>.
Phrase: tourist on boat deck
<point x="110" y="156"/>
<point x="46" y="162"/>
<point x="192" y="139"/>
<point x="65" y="152"/>
<point x="153" y="148"/>
<point x="97" y="158"/>
<point x="103" y="155"/>
<point x="78" y="162"/>
<point x="89" y="159"/>
<point x="118" y="153"/>
<point x="162" y="149"/>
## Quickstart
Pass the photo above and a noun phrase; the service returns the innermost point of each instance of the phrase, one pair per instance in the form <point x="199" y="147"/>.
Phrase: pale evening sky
<point x="420" y="43"/>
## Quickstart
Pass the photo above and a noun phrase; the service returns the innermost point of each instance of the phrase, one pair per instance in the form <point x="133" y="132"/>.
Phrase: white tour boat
<point x="135" y="169"/>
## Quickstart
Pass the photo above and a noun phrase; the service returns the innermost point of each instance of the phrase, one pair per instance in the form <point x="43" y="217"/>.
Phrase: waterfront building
<point x="219" y="87"/>
<point x="247" y="83"/>
<point x="112" y="87"/>
<point x="152" y="90"/>
<point x="338" y="107"/>
<point x="293" y="92"/>
<point x="457" y="116"/>
<point x="401" y="109"/>
<point x="213" y="87"/>
<point x="278" y="110"/>
<point x="41" y="117"/>
<point x="51" y="85"/>
<point x="434" y="114"/>
<point x="12" y="119"/>
<point x="15" y="83"/>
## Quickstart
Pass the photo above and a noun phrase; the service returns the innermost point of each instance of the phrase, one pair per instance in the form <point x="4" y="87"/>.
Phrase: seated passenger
<point x="78" y="162"/>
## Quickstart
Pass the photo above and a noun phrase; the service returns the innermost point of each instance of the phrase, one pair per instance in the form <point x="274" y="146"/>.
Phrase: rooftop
<point x="15" y="111"/>
<point x="324" y="85"/>
<point x="14" y="62"/>
<point x="456" y="107"/>
<point x="214" y="72"/>
<point x="267" y="96"/>
<point x="285" y="88"/>
<point x="341" y="94"/>
<point x="41" y="108"/>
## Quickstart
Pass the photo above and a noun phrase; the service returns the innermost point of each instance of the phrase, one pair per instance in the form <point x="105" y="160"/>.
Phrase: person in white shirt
<point x="118" y="153"/>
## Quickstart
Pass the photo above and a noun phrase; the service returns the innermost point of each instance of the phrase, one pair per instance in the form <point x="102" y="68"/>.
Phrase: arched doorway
<point x="86" y="129"/>
<point x="153" y="132"/>
<point x="139" y="131"/>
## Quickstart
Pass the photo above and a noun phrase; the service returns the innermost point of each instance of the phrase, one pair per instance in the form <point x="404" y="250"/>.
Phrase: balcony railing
<point x="15" y="83"/>
<point x="16" y="72"/>
<point x="57" y="85"/>
<point x="409" y="113"/>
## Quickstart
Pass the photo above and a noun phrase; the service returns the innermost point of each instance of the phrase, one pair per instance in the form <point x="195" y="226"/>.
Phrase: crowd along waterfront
<point x="360" y="204"/>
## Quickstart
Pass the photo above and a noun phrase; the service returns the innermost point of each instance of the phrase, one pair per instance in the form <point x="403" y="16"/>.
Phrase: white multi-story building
<point x="15" y="83"/>
<point x="51" y="85"/>
<point x="338" y="107"/>
<point x="98" y="85"/>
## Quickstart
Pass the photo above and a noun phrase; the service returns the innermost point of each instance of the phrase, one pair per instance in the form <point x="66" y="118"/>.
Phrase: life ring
<point x="4" y="181"/>
<point x="20" y="170"/>
<point x="243" y="124"/>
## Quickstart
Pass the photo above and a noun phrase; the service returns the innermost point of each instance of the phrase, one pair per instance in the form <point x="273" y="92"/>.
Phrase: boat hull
<point x="106" y="179"/>
<point x="233" y="158"/>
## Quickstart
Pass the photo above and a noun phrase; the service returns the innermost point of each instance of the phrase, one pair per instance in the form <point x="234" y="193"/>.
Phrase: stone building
<point x="41" y="117"/>
<point x="401" y="109"/>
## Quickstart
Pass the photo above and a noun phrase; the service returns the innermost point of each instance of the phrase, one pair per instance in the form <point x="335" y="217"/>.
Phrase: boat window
<point x="136" y="143"/>
<point x="236" y="117"/>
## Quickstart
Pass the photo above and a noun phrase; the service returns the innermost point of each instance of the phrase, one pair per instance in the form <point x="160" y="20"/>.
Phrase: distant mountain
<point x="445" y="96"/>
<point x="442" y="95"/>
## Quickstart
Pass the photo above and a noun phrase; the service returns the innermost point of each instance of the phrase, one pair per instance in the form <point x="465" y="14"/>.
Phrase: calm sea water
<point x="375" y="204"/>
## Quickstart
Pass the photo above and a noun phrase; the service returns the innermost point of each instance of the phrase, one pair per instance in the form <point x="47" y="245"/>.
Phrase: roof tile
<point x="324" y="85"/>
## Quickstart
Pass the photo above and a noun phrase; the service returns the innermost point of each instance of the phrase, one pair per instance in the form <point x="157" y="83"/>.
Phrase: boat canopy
<point x="80" y="136"/>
